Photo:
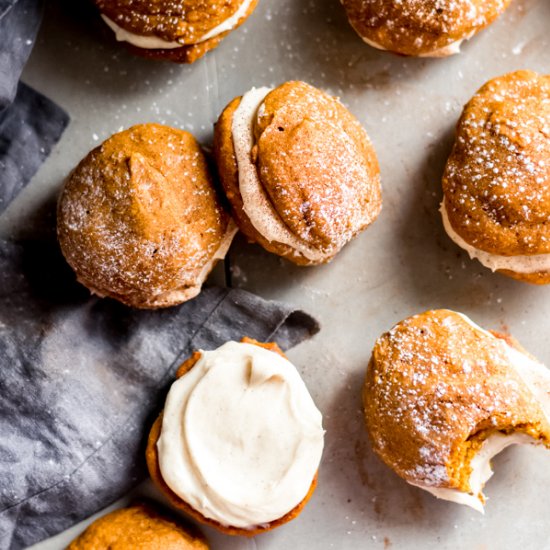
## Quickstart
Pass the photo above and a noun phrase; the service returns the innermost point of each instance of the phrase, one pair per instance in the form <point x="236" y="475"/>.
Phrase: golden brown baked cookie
<point x="425" y="28"/>
<point x="139" y="219"/>
<point x="152" y="458"/>
<point x="179" y="31"/>
<point x="299" y="171"/>
<point x="496" y="183"/>
<point x="138" y="527"/>
<point x="441" y="397"/>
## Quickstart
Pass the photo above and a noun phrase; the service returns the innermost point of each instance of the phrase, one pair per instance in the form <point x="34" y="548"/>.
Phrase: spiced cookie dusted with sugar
<point x="138" y="527"/>
<point x="176" y="30"/>
<point x="442" y="396"/>
<point x="247" y="459"/>
<point x="424" y="28"/>
<point x="139" y="219"/>
<point x="299" y="171"/>
<point x="496" y="184"/>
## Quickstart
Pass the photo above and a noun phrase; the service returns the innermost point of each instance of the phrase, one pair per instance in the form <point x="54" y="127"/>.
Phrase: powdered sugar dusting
<point x="497" y="180"/>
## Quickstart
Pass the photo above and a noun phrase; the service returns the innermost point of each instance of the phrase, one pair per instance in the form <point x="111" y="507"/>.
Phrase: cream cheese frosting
<point x="537" y="378"/>
<point x="519" y="264"/>
<point x="450" y="49"/>
<point x="152" y="42"/>
<point x="256" y="204"/>
<point x="241" y="438"/>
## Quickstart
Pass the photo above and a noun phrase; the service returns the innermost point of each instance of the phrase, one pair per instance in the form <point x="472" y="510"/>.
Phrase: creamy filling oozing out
<point x="241" y="438"/>
<point x="256" y="204"/>
<point x="519" y="264"/>
<point x="152" y="42"/>
<point x="537" y="378"/>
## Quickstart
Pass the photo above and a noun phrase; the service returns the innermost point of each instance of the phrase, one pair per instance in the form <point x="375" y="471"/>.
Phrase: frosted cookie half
<point x="239" y="441"/>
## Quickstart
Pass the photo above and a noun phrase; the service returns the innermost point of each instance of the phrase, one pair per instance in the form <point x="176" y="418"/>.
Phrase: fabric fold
<point x="82" y="379"/>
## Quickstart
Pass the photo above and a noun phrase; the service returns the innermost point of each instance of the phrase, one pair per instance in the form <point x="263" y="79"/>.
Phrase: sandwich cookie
<point x="176" y="30"/>
<point x="299" y="171"/>
<point x="139" y="219"/>
<point x="138" y="527"/>
<point x="432" y="28"/>
<point x="239" y="441"/>
<point x="496" y="184"/>
<point x="442" y="396"/>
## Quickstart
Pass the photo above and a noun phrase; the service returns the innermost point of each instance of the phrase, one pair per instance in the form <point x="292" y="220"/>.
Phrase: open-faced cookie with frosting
<point x="141" y="526"/>
<point x="424" y="28"/>
<point x="442" y="396"/>
<point x="299" y="171"/>
<point x="239" y="441"/>
<point x="496" y="184"/>
<point x="139" y="219"/>
<point x="177" y="30"/>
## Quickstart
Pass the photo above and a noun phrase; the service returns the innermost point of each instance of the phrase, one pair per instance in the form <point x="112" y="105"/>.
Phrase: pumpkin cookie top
<point x="139" y="219"/>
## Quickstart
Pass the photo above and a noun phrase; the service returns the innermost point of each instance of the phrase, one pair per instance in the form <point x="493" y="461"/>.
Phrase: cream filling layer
<point x="537" y="378"/>
<point x="241" y="438"/>
<point x="190" y="292"/>
<point x="155" y="43"/>
<point x="256" y="204"/>
<point x="519" y="264"/>
<point x="450" y="49"/>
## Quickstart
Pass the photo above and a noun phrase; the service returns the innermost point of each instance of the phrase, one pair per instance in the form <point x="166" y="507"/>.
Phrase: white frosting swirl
<point x="256" y="204"/>
<point x="519" y="264"/>
<point x="241" y="438"/>
<point x="152" y="42"/>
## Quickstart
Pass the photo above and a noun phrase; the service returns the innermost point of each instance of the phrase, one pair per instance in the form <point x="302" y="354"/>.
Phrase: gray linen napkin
<point x="30" y="124"/>
<point x="82" y="379"/>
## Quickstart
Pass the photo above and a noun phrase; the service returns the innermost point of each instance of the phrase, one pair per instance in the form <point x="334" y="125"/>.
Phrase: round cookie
<point x="424" y="28"/>
<point x="232" y="505"/>
<point x="179" y="31"/>
<point x="496" y="184"/>
<point x="442" y="396"/>
<point x="138" y="527"/>
<point x="139" y="219"/>
<point x="299" y="171"/>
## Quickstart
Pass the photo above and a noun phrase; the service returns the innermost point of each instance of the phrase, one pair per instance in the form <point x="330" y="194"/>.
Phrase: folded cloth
<point x="82" y="379"/>
<point x="30" y="124"/>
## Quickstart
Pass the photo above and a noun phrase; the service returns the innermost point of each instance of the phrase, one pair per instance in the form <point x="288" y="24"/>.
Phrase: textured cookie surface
<point x="315" y="164"/>
<point x="420" y="27"/>
<point x="138" y="527"/>
<point x="497" y="180"/>
<point x="436" y="387"/>
<point x="139" y="219"/>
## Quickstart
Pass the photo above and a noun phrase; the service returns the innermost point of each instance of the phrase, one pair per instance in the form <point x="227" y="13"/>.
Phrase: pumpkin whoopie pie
<point x="239" y="441"/>
<point x="299" y="171"/>
<point x="141" y="526"/>
<point x="442" y="396"/>
<point x="424" y="28"/>
<point x="139" y="219"/>
<point x="176" y="30"/>
<point x="496" y="185"/>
